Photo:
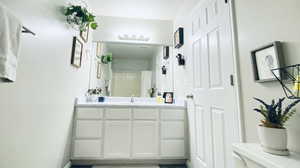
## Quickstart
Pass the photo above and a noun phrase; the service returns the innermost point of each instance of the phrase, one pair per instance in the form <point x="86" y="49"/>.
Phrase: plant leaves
<point x="289" y="107"/>
<point x="94" y="25"/>
<point x="262" y="102"/>
<point x="80" y="16"/>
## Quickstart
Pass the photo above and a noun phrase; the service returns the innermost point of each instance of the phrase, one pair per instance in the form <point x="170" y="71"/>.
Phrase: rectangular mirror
<point x="126" y="69"/>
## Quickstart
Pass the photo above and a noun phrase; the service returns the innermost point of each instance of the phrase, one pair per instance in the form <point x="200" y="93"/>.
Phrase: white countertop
<point x="254" y="152"/>
<point x="124" y="102"/>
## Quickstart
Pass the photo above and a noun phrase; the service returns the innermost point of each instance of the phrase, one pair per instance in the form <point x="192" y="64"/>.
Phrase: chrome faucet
<point x="132" y="99"/>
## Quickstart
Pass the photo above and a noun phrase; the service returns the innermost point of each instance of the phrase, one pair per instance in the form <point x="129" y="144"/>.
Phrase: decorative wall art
<point x="99" y="49"/>
<point x="178" y="38"/>
<point x="181" y="60"/>
<point x="99" y="70"/>
<point x="164" y="70"/>
<point x="266" y="58"/>
<point x="77" y="48"/>
<point x="85" y="34"/>
<point x="166" y="52"/>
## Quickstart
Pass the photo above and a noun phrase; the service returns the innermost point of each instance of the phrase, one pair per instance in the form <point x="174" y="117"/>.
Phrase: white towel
<point x="10" y="32"/>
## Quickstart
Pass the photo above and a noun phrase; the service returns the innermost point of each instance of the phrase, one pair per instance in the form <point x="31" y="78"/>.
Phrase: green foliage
<point x="105" y="59"/>
<point x="80" y="16"/>
<point x="275" y="116"/>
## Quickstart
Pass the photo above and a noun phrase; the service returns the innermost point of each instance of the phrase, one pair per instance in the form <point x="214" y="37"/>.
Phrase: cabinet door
<point x="88" y="129"/>
<point x="173" y="148"/>
<point x="87" y="148"/>
<point x="117" y="139"/>
<point x="145" y="139"/>
<point x="172" y="129"/>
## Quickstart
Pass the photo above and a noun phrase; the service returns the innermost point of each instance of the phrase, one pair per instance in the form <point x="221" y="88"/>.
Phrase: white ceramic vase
<point x="92" y="98"/>
<point x="273" y="140"/>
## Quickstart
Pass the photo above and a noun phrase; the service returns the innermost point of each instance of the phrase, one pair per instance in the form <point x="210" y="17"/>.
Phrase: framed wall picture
<point x="85" y="34"/>
<point x="166" y="52"/>
<point x="169" y="97"/>
<point x="77" y="48"/>
<point x="99" y="49"/>
<point x="266" y="58"/>
<point x="99" y="71"/>
<point x="179" y="38"/>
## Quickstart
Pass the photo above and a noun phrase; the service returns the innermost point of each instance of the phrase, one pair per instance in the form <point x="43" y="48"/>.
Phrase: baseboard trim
<point x="68" y="165"/>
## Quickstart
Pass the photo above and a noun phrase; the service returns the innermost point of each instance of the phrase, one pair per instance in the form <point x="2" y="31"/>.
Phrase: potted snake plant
<point x="272" y="132"/>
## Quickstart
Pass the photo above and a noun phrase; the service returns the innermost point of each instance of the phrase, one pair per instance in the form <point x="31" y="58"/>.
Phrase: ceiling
<point x="141" y="51"/>
<point x="144" y="9"/>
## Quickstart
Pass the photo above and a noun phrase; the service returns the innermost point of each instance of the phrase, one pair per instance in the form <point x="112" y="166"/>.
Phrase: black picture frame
<point x="277" y="61"/>
<point x="169" y="97"/>
<point x="166" y="52"/>
<point x="76" y="56"/>
<point x="179" y="37"/>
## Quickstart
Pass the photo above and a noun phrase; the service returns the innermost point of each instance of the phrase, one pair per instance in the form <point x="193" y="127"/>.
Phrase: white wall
<point x="130" y="64"/>
<point x="260" y="22"/>
<point x="164" y="83"/>
<point x="36" y="111"/>
<point x="181" y="82"/>
<point x="160" y="31"/>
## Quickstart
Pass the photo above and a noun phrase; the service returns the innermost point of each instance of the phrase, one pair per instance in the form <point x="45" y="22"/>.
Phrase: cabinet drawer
<point x="87" y="148"/>
<point x="172" y="129"/>
<point x="89" y="113"/>
<point x="88" y="129"/>
<point x="172" y="114"/>
<point x="173" y="148"/>
<point x="145" y="113"/>
<point x="118" y="113"/>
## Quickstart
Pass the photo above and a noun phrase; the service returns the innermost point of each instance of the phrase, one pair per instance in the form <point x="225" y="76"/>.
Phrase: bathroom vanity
<point x="129" y="131"/>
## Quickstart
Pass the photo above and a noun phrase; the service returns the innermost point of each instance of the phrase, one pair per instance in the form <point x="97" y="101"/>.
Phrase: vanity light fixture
<point x="133" y="37"/>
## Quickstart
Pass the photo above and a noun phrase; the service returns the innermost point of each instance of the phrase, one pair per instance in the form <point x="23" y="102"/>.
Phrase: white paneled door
<point x="213" y="107"/>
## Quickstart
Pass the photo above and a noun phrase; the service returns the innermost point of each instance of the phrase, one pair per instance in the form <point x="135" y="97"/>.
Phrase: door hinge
<point x="231" y="80"/>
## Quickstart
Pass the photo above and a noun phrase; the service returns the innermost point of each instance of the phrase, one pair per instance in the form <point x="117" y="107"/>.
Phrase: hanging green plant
<point x="105" y="59"/>
<point x="80" y="17"/>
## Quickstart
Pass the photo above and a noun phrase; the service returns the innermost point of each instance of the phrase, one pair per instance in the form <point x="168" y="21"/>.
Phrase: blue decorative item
<point x="101" y="99"/>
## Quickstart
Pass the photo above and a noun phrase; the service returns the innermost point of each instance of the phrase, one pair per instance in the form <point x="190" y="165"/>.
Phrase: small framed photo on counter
<point x="169" y="97"/>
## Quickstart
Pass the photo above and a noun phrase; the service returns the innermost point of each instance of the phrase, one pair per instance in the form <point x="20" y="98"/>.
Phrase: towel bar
<point x="26" y="30"/>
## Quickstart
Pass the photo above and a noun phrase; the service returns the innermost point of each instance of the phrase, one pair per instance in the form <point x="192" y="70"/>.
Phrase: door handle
<point x="190" y="96"/>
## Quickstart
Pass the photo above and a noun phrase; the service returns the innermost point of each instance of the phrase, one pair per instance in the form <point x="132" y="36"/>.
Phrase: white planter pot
<point x="92" y="98"/>
<point x="273" y="140"/>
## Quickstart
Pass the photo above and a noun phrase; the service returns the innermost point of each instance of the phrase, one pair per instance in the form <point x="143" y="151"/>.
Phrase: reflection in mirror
<point x="126" y="69"/>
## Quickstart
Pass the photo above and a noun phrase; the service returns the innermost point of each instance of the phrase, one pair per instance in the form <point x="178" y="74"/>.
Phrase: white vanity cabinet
<point x="129" y="132"/>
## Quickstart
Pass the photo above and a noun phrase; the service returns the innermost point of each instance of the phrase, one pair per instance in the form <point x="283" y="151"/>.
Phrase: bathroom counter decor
<point x="254" y="152"/>
<point x="125" y="101"/>
<point x="291" y="80"/>
<point x="271" y="131"/>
